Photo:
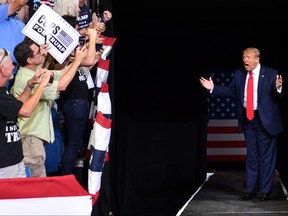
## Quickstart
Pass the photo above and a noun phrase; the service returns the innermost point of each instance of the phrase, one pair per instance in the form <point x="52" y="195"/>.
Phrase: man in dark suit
<point x="264" y="123"/>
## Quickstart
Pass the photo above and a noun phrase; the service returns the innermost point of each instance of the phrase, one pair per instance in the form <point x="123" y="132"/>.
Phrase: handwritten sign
<point x="61" y="36"/>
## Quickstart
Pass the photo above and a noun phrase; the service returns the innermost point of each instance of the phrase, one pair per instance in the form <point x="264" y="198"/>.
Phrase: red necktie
<point x="249" y="97"/>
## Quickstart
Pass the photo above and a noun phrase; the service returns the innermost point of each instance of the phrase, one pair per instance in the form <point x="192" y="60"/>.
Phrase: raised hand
<point x="279" y="82"/>
<point x="208" y="84"/>
<point x="80" y="53"/>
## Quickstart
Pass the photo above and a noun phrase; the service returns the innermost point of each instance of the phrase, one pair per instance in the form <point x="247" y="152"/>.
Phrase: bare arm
<point x="97" y="57"/>
<point x="97" y="24"/>
<point x="25" y="95"/>
<point x="15" y="6"/>
<point x="30" y="103"/>
<point x="90" y="57"/>
<point x="69" y="72"/>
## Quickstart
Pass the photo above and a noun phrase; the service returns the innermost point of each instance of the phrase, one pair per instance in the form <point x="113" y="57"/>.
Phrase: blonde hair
<point x="2" y="53"/>
<point x="2" y="2"/>
<point x="252" y="50"/>
<point x="67" y="7"/>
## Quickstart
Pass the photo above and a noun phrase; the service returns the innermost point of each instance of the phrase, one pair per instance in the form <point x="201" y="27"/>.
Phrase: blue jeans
<point x="76" y="113"/>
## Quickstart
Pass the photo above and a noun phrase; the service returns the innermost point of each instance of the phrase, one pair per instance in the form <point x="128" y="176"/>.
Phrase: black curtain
<point x="158" y="156"/>
<point x="103" y="206"/>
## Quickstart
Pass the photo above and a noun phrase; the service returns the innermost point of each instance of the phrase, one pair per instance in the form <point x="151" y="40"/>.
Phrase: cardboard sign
<point x="61" y="36"/>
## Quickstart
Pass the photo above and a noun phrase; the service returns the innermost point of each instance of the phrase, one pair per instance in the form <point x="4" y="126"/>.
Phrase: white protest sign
<point x="61" y="36"/>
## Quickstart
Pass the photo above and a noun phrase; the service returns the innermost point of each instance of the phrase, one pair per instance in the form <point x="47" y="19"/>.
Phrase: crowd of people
<point x="29" y="87"/>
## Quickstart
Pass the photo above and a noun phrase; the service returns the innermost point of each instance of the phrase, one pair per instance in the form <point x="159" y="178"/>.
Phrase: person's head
<point x="6" y="66"/>
<point x="28" y="53"/>
<point x="67" y="7"/>
<point x="251" y="58"/>
<point x="81" y="3"/>
<point x="72" y="20"/>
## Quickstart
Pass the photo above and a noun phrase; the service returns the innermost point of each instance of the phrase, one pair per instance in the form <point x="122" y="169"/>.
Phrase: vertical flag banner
<point x="107" y="45"/>
<point x="102" y="72"/>
<point x="224" y="142"/>
<point x="98" y="147"/>
<point x="100" y="112"/>
<point x="101" y="77"/>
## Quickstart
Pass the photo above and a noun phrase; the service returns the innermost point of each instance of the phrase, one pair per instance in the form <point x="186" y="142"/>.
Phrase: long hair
<point x="67" y="7"/>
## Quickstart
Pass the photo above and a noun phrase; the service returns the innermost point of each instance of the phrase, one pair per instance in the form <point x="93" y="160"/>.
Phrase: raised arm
<point x="69" y="72"/>
<point x="31" y="101"/>
<point x="89" y="59"/>
<point x="15" y="6"/>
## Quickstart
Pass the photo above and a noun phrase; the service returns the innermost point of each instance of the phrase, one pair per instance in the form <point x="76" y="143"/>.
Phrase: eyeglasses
<point x="39" y="52"/>
<point x="5" y="54"/>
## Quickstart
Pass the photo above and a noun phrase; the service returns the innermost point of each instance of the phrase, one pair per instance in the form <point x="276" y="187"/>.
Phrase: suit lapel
<point x="242" y="85"/>
<point x="260" y="82"/>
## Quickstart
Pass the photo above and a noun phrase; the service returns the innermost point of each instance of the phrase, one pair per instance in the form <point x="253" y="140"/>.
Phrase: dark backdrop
<point x="158" y="150"/>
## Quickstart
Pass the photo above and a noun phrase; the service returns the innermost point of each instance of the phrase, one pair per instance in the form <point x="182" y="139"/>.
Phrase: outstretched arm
<point x="69" y="72"/>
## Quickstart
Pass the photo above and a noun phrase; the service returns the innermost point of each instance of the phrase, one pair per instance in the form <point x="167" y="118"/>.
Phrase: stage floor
<point x="220" y="192"/>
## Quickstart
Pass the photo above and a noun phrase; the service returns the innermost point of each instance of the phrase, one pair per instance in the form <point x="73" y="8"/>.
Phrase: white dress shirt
<point x="255" y="74"/>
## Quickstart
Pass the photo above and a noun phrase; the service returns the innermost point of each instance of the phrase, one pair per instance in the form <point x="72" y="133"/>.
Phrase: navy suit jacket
<point x="268" y="98"/>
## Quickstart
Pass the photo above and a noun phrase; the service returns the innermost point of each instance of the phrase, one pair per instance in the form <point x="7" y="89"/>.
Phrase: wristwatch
<point x="30" y="85"/>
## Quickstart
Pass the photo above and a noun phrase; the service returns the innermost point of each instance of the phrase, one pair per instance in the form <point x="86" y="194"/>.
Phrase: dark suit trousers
<point x="261" y="156"/>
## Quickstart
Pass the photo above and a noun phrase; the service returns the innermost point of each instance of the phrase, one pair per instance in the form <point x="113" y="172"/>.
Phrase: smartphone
<point x="82" y="41"/>
<point x="99" y="47"/>
<point x="51" y="80"/>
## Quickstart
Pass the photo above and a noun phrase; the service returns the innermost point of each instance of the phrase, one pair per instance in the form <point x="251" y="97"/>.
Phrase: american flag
<point x="64" y="38"/>
<point x="98" y="146"/>
<point x="56" y="195"/>
<point x="107" y="45"/>
<point x="224" y="142"/>
<point x="47" y="2"/>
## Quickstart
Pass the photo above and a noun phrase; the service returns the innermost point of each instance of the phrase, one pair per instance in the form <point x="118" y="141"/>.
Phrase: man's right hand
<point x="208" y="84"/>
<point x="46" y="77"/>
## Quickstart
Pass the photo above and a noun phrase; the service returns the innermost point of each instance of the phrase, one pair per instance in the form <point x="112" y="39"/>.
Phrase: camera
<point x="51" y="79"/>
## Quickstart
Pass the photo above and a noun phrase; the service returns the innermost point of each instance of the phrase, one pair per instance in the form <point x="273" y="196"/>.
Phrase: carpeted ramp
<point x="220" y="192"/>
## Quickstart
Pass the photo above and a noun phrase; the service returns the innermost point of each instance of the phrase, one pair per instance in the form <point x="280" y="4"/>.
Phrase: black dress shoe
<point x="246" y="196"/>
<point x="265" y="197"/>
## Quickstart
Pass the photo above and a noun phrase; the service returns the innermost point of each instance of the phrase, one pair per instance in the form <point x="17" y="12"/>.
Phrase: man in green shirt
<point x="38" y="129"/>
